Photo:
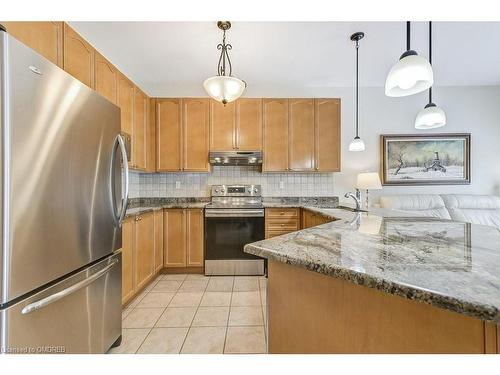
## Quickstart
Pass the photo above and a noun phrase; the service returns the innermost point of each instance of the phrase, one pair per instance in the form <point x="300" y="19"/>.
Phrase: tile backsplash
<point x="197" y="184"/>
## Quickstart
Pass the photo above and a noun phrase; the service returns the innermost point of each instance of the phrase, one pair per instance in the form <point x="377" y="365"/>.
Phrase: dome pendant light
<point x="431" y="116"/>
<point x="410" y="75"/>
<point x="357" y="143"/>
<point x="224" y="87"/>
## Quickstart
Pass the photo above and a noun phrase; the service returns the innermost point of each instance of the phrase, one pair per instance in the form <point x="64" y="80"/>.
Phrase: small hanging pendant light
<point x="357" y="143"/>
<point x="431" y="116"/>
<point x="224" y="87"/>
<point x="410" y="75"/>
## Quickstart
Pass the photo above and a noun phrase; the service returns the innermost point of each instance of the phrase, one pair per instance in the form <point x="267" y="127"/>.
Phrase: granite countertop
<point x="143" y="209"/>
<point x="451" y="265"/>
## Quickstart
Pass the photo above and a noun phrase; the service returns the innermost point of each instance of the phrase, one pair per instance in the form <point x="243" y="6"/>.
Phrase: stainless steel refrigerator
<point x="62" y="202"/>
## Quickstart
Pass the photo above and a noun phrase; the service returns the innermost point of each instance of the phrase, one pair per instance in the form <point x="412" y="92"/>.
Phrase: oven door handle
<point x="233" y="213"/>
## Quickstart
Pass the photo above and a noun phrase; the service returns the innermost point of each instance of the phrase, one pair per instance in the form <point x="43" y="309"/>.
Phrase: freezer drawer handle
<point x="66" y="292"/>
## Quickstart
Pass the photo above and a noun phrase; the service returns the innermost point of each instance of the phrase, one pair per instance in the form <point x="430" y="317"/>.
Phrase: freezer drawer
<point x="81" y="314"/>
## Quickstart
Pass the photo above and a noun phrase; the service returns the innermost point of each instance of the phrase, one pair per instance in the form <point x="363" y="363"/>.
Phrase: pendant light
<point x="431" y="116"/>
<point x="224" y="87"/>
<point x="410" y="75"/>
<point x="357" y="143"/>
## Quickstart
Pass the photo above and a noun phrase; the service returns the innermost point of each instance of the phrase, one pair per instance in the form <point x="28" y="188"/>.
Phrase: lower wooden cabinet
<point x="311" y="219"/>
<point x="139" y="253"/>
<point x="280" y="221"/>
<point x="183" y="236"/>
<point x="158" y="219"/>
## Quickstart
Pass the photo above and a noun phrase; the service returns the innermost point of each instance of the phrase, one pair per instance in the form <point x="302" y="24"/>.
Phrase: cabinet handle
<point x="282" y="225"/>
<point x="282" y="213"/>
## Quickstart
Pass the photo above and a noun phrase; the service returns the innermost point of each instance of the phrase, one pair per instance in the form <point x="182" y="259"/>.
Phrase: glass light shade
<point x="410" y="75"/>
<point x="430" y="117"/>
<point x="369" y="181"/>
<point x="357" y="144"/>
<point x="224" y="89"/>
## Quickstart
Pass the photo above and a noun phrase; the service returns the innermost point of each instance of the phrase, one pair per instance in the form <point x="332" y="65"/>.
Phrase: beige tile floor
<point x="196" y="314"/>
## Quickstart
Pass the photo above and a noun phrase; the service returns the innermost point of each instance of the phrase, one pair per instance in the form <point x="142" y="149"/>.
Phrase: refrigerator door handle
<point x="121" y="145"/>
<point x="66" y="292"/>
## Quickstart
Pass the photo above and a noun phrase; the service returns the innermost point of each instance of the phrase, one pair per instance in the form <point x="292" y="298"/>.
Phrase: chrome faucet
<point x="356" y="197"/>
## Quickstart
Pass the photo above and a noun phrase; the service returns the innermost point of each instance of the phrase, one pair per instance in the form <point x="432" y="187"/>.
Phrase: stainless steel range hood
<point x="235" y="158"/>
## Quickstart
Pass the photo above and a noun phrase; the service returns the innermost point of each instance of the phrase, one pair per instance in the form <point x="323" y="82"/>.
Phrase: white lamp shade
<point x="430" y="117"/>
<point x="410" y="75"/>
<point x="357" y="144"/>
<point x="224" y="89"/>
<point x="369" y="181"/>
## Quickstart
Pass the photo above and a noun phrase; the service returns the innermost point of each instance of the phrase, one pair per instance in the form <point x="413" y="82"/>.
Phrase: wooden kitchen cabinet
<point x="183" y="238"/>
<point x="158" y="228"/>
<point x="249" y="124"/>
<point x="144" y="249"/>
<point x="126" y="103"/>
<point x="301" y="134"/>
<point x="106" y="78"/>
<point x="311" y="219"/>
<point x="327" y="134"/>
<point x="151" y="137"/>
<point x="168" y="135"/>
<point x="139" y="130"/>
<point x="44" y="37"/>
<point x="280" y="221"/>
<point x="275" y="126"/>
<point x="195" y="135"/>
<point x="128" y="285"/>
<point x="194" y="237"/>
<point x="79" y="57"/>
<point x="222" y="126"/>
<point x="174" y="238"/>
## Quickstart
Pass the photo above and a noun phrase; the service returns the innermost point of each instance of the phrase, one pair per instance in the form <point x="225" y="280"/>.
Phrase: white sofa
<point x="470" y="208"/>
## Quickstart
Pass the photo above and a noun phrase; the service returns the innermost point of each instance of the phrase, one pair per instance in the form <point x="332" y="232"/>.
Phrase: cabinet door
<point x="327" y="129"/>
<point x="45" y="37"/>
<point x="275" y="135"/>
<point x="128" y="287"/>
<point x="139" y="132"/>
<point x="195" y="116"/>
<point x="194" y="237"/>
<point x="151" y="138"/>
<point x="158" y="219"/>
<point x="249" y="124"/>
<point x="79" y="57"/>
<point x="174" y="238"/>
<point x="308" y="219"/>
<point x="106" y="78"/>
<point x="168" y="134"/>
<point x="126" y="104"/>
<point x="222" y="126"/>
<point x="301" y="127"/>
<point x="144" y="249"/>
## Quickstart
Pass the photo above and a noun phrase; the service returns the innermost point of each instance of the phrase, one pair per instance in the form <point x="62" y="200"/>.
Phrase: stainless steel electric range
<point x="234" y="218"/>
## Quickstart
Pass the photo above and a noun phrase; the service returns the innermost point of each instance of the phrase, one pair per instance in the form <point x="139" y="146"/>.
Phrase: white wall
<point x="474" y="110"/>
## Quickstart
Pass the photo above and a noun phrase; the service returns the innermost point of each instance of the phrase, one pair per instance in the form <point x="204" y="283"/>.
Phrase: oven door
<point x="227" y="231"/>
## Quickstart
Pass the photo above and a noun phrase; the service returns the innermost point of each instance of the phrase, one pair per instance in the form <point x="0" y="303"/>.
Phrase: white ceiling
<point x="173" y="58"/>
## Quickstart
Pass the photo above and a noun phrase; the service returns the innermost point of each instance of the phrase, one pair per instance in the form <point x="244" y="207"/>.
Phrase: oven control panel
<point x="236" y="191"/>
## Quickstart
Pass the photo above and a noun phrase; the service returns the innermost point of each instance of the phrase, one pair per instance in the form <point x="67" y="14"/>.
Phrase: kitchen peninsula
<point x="370" y="283"/>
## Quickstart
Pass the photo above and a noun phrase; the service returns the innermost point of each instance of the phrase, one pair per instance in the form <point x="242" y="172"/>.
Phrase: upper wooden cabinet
<point x="249" y="124"/>
<point x="327" y="129"/>
<point x="106" y="78"/>
<point x="151" y="137"/>
<point x="237" y="126"/>
<point x="79" y="57"/>
<point x="182" y="134"/>
<point x="222" y="126"/>
<point x="301" y="134"/>
<point x="126" y="103"/>
<point x="139" y="131"/>
<point x="195" y="117"/>
<point x="275" y="135"/>
<point x="45" y="37"/>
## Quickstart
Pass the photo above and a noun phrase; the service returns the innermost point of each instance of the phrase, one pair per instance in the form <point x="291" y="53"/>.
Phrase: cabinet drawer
<point x="283" y="224"/>
<point x="274" y="233"/>
<point x="282" y="212"/>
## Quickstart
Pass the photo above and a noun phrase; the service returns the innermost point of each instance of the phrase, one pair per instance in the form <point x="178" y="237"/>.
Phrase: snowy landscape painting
<point x="421" y="160"/>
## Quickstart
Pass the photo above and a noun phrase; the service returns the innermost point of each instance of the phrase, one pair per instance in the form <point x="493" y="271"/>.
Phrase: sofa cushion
<point x="416" y="205"/>
<point x="476" y="209"/>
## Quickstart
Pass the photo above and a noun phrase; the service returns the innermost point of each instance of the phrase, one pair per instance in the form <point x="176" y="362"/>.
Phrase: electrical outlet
<point x="177" y="184"/>
<point x="282" y="184"/>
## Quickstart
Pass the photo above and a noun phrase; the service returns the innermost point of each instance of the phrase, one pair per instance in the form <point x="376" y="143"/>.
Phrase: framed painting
<point x="433" y="159"/>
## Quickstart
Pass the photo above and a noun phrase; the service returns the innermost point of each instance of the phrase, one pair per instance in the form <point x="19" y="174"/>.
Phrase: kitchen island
<point x="377" y="283"/>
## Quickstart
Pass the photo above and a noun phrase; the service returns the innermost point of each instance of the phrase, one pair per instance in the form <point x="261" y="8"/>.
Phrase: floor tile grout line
<point x="228" y="317"/>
